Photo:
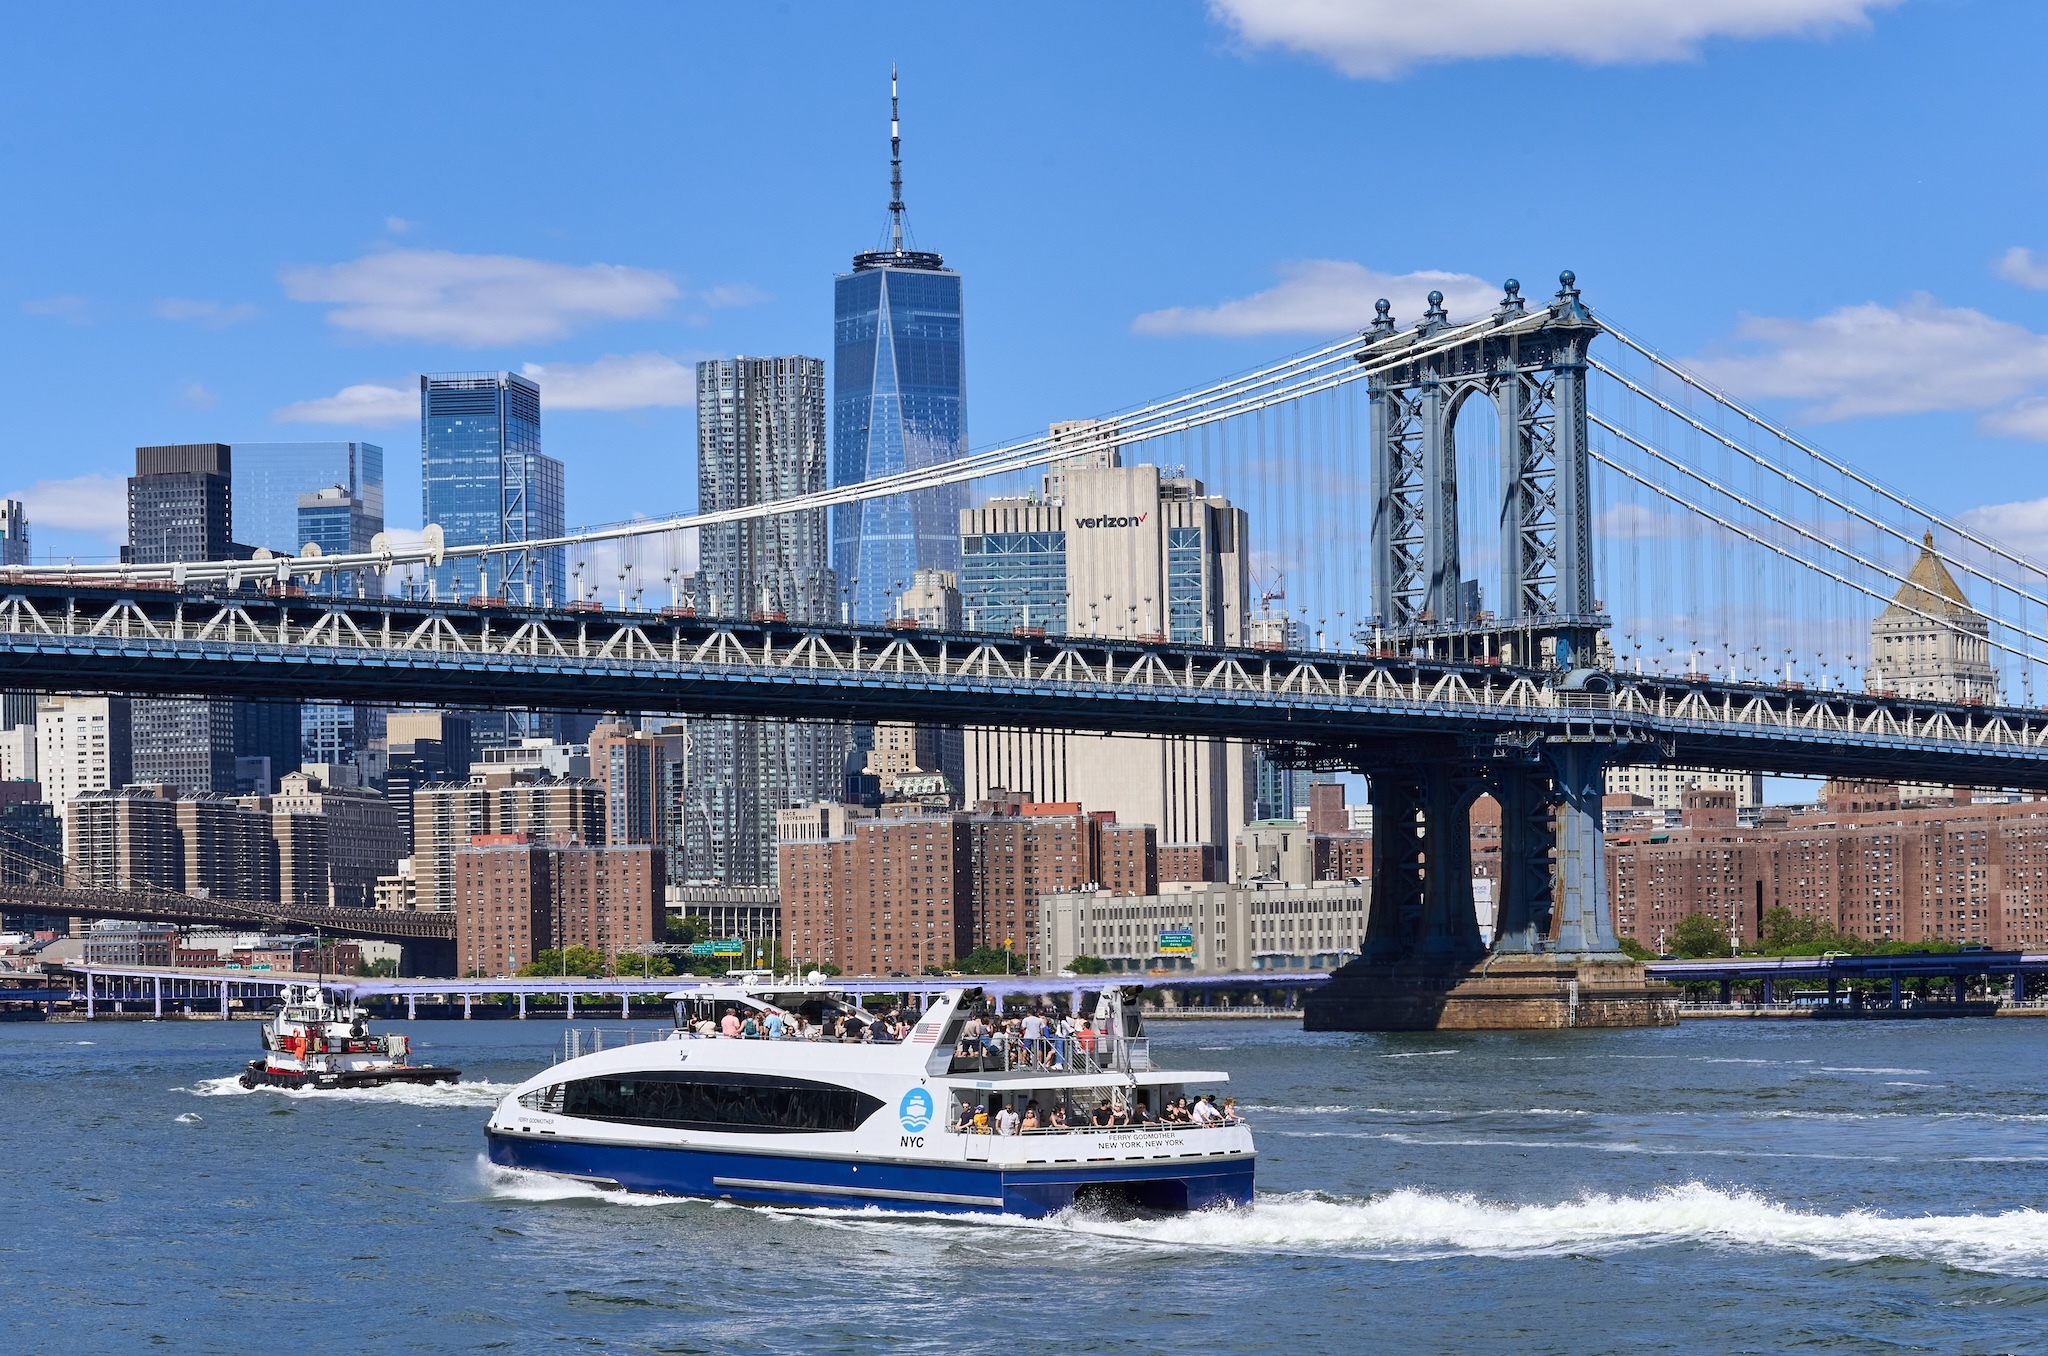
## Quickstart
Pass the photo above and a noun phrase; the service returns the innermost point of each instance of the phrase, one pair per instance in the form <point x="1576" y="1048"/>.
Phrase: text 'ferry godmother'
<point x="944" y="1119"/>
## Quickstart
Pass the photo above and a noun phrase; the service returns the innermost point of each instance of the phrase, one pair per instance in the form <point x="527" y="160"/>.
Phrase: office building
<point x="551" y="810"/>
<point x="13" y="532"/>
<point x="760" y="438"/>
<point x="180" y="505"/>
<point x="82" y="744"/>
<point x="271" y="479"/>
<point x="334" y="520"/>
<point x="1929" y="643"/>
<point x="1113" y="550"/>
<point x="34" y="855"/>
<point x="899" y="402"/>
<point x="516" y="897"/>
<point x="900" y="755"/>
<point x="1210" y="928"/>
<point x="749" y="914"/>
<point x="485" y="481"/>
<point x="116" y="942"/>
<point x="17" y="709"/>
<point x="425" y="748"/>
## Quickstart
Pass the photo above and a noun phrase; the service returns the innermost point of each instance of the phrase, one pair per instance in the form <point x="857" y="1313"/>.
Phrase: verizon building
<point x="1112" y="550"/>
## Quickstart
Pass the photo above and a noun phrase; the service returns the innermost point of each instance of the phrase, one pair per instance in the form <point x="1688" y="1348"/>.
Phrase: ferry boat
<point x="317" y="1040"/>
<point x="857" y="1121"/>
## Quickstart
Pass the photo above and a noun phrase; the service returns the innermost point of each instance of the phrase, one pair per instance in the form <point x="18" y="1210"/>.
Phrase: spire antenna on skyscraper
<point x="895" y="169"/>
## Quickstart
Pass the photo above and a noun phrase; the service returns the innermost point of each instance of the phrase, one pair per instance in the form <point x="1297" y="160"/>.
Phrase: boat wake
<point x="1419" y="1225"/>
<point x="464" y="1094"/>
<point x="1407" y="1225"/>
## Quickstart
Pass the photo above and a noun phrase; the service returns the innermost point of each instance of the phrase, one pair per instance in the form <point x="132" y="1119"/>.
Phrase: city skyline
<point x="324" y="321"/>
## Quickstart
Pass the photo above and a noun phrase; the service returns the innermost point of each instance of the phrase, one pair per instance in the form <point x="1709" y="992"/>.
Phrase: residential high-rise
<point x="13" y="532"/>
<point x="1114" y="550"/>
<point x="358" y="839"/>
<point x="899" y="402"/>
<point x="516" y="897"/>
<point x="760" y="438"/>
<point x="485" y="480"/>
<point x="82" y="744"/>
<point x="34" y="839"/>
<point x="633" y="768"/>
<point x="550" y="809"/>
<point x="269" y="478"/>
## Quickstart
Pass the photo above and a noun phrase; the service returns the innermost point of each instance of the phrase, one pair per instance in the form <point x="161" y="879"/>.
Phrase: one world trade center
<point x="899" y="403"/>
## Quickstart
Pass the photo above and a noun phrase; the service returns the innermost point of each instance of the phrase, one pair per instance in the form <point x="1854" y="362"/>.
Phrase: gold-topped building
<point x="1929" y="643"/>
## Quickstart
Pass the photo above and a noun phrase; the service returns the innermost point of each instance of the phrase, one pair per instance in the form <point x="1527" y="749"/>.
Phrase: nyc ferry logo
<point x="915" y="1113"/>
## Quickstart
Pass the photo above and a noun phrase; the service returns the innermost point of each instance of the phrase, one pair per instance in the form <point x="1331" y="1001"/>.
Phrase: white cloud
<point x="2022" y="526"/>
<point x="93" y="504"/>
<point x="475" y="299"/>
<point x="1382" y="38"/>
<point x="1326" y="296"/>
<point x="2025" y="419"/>
<point x="615" y="382"/>
<point x="732" y="294"/>
<point x="195" y="394"/>
<point x="68" y="307"/>
<point x="398" y="225"/>
<point x="2019" y="265"/>
<point x="212" y="314"/>
<point x="367" y="403"/>
<point x="1873" y="359"/>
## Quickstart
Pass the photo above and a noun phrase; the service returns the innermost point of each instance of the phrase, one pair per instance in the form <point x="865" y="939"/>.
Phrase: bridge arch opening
<point x="1474" y="434"/>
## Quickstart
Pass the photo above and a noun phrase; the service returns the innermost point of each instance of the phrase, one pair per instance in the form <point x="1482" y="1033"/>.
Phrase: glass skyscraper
<point x="485" y="480"/>
<point x="899" y="402"/>
<point x="269" y="478"/>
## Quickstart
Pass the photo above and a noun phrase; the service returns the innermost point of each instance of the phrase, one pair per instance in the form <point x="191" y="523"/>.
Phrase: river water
<point x="1720" y="1187"/>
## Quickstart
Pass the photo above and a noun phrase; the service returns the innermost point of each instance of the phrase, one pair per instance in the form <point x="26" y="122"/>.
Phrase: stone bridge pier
<point x="1554" y="961"/>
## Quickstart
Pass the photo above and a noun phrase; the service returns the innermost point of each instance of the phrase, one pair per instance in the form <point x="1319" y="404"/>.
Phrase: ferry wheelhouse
<point x="855" y="1121"/>
<point x="320" y="1040"/>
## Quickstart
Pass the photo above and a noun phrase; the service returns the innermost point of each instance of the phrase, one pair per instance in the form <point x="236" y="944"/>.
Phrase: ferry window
<point x="751" y="1103"/>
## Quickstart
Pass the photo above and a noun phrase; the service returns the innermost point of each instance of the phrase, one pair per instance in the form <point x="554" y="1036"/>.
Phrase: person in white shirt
<point x="1205" y="1112"/>
<point x="1006" y="1120"/>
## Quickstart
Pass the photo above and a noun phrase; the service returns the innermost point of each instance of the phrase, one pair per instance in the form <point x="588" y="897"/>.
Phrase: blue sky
<point x="257" y="222"/>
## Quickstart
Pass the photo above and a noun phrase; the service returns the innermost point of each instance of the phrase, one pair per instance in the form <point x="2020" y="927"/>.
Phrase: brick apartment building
<point x="896" y="892"/>
<point x="1959" y="872"/>
<point x="516" y="897"/>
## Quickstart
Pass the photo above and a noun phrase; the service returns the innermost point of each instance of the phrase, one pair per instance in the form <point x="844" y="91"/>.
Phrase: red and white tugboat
<point x="317" y="1041"/>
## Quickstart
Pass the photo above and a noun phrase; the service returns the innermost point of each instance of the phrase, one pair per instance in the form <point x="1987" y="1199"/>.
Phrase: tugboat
<point x="949" y="1119"/>
<point x="316" y="1041"/>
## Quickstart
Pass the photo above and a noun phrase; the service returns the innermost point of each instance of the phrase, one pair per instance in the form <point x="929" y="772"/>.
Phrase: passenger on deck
<point x="966" y="1125"/>
<point x="1059" y="1118"/>
<point x="1104" y="1117"/>
<point x="750" y="1030"/>
<point x="1031" y="1121"/>
<point x="774" y="1027"/>
<point x="1230" y="1116"/>
<point x="1006" y="1120"/>
<point x="981" y="1120"/>
<point x="1143" y="1114"/>
<point x="729" y="1025"/>
<point x="1204" y="1111"/>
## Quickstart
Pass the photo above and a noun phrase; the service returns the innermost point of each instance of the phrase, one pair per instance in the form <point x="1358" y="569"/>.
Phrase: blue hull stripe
<point x="778" y="1179"/>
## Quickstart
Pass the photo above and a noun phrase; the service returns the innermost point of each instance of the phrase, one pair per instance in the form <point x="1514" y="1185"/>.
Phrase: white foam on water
<point x="1830" y="1068"/>
<point x="519" y="1184"/>
<point x="474" y="1094"/>
<point x="1418" y="1054"/>
<point x="1415" y="1225"/>
<point x="188" y="1118"/>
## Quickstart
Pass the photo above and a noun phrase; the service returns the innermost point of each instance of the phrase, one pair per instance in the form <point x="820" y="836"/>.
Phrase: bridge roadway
<point x="152" y="906"/>
<point x="1352" y="707"/>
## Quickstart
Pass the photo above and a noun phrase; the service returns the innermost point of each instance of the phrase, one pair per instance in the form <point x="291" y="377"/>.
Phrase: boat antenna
<point x="895" y="169"/>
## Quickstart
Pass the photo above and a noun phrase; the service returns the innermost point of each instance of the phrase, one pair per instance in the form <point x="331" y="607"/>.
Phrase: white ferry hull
<point x="792" y="1179"/>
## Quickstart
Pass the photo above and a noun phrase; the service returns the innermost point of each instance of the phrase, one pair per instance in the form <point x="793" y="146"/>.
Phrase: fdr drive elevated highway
<point x="1342" y="708"/>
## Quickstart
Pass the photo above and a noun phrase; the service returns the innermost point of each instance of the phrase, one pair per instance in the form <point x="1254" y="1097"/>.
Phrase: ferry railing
<point x="1011" y="1054"/>
<point x="580" y="1041"/>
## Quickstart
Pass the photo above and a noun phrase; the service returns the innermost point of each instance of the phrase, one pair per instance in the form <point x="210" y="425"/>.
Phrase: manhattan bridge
<point x="1519" y="548"/>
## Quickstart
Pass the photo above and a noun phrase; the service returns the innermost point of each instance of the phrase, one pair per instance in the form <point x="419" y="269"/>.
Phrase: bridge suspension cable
<point x="1319" y="370"/>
